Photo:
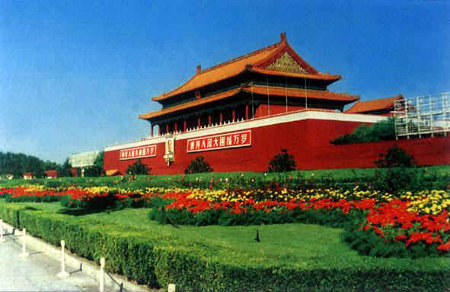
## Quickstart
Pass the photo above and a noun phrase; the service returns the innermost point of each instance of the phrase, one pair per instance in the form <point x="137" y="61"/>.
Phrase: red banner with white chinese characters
<point x="222" y="141"/>
<point x="138" y="152"/>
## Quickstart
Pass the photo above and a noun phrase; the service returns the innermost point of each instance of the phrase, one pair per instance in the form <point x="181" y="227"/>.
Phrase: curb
<point x="78" y="263"/>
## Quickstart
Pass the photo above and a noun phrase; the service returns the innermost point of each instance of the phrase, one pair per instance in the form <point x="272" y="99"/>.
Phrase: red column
<point x="167" y="128"/>
<point x="220" y="118"/>
<point x="176" y="126"/>
<point x="198" y="122"/>
<point x="151" y="130"/>
<point x="233" y="114"/>
<point x="184" y="125"/>
<point x="209" y="120"/>
<point x="246" y="112"/>
<point x="159" y="130"/>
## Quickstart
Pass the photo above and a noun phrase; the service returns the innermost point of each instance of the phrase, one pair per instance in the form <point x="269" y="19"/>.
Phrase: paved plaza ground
<point x="38" y="272"/>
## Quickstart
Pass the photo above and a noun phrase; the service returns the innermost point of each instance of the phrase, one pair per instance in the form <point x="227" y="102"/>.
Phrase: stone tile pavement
<point x="38" y="272"/>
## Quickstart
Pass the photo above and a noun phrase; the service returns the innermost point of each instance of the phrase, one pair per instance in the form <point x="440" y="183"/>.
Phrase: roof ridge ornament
<point x="199" y="68"/>
<point x="283" y="37"/>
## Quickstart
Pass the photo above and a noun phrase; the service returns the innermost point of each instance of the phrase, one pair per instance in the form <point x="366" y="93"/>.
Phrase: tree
<point x="99" y="159"/>
<point x="93" y="171"/>
<point x="64" y="170"/>
<point x="50" y="165"/>
<point x="282" y="162"/>
<point x="198" y="165"/>
<point x="138" y="168"/>
<point x="97" y="168"/>
<point x="380" y="131"/>
<point x="39" y="173"/>
<point x="18" y="163"/>
<point x="395" y="157"/>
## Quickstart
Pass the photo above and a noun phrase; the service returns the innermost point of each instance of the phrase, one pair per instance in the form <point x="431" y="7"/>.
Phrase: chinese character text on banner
<point x="138" y="152"/>
<point x="222" y="141"/>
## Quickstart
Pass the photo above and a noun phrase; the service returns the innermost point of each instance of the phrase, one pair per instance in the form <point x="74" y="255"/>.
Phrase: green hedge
<point x="44" y="199"/>
<point x="157" y="260"/>
<point x="427" y="177"/>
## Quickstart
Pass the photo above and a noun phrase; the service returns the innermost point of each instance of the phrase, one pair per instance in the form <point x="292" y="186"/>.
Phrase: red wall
<point x="307" y="140"/>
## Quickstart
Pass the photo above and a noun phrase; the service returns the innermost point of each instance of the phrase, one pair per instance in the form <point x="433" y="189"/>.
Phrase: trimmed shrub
<point x="282" y="162"/>
<point x="198" y="165"/>
<point x="105" y="201"/>
<point x="395" y="157"/>
<point x="174" y="216"/>
<point x="43" y="199"/>
<point x="394" y="180"/>
<point x="138" y="168"/>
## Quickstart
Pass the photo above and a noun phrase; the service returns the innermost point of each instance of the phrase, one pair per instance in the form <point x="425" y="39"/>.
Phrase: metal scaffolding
<point x="422" y="116"/>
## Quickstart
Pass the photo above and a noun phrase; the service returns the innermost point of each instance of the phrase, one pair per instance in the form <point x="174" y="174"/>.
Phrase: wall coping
<point x="255" y="123"/>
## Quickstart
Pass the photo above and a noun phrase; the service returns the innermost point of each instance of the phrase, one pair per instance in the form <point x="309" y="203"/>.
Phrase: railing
<point x="228" y="122"/>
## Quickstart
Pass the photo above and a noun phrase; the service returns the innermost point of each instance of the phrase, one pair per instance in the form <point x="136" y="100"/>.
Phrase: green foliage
<point x="50" y="165"/>
<point x="198" y="165"/>
<point x="366" y="242"/>
<point x="96" y="169"/>
<point x="64" y="170"/>
<point x="400" y="173"/>
<point x="43" y="199"/>
<point x="138" y="168"/>
<point x="99" y="160"/>
<point x="395" y="157"/>
<point x="282" y="162"/>
<point x="39" y="172"/>
<point x="106" y="201"/>
<point x="157" y="257"/>
<point x="394" y="180"/>
<point x="380" y="131"/>
<point x="432" y="177"/>
<point x="333" y="218"/>
<point x="17" y="164"/>
<point x="93" y="171"/>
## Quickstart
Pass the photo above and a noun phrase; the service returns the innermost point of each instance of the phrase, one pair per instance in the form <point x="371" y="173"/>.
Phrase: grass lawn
<point x="304" y="246"/>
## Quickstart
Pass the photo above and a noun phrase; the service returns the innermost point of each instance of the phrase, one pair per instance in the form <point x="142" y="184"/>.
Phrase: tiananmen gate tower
<point x="241" y="113"/>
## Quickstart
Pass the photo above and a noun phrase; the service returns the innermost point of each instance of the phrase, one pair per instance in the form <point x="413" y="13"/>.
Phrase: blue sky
<point x="74" y="75"/>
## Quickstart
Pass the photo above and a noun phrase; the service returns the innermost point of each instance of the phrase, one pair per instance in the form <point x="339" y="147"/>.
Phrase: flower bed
<point x="379" y="224"/>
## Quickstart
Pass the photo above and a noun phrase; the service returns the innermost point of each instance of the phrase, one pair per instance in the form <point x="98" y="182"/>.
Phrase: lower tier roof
<point x="325" y="95"/>
<point x="382" y="104"/>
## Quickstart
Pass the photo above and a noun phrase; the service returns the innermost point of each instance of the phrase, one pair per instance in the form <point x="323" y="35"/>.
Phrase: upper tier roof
<point x="301" y="93"/>
<point x="268" y="60"/>
<point x="382" y="104"/>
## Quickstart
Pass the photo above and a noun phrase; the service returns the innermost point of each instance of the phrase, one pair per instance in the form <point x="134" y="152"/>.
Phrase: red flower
<point x="444" y="247"/>
<point x="401" y="237"/>
<point x="378" y="231"/>
<point x="423" y="236"/>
